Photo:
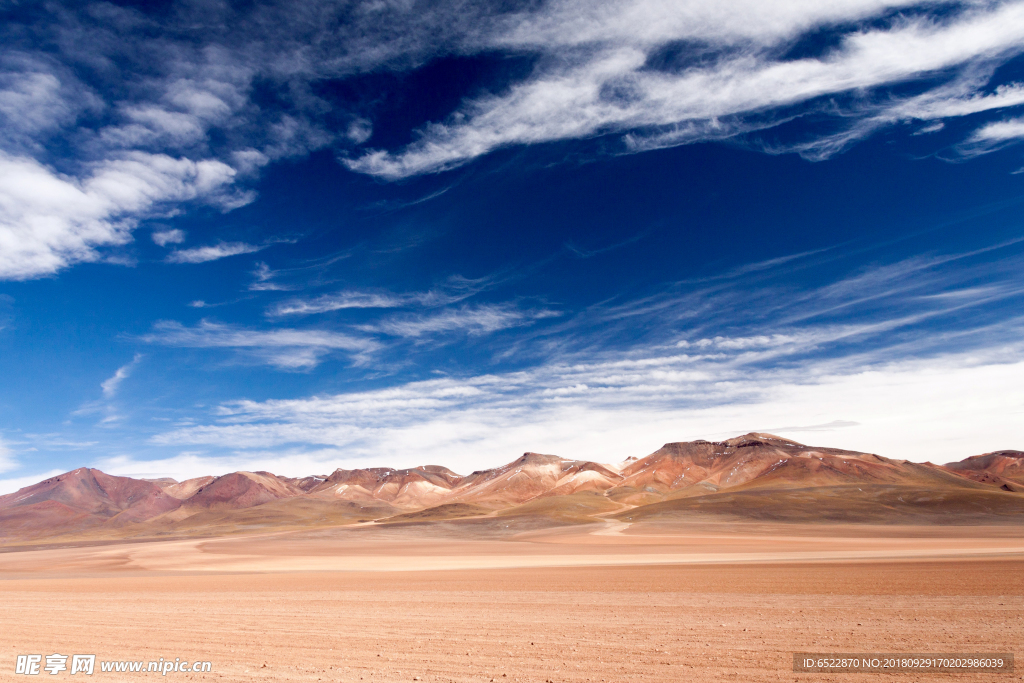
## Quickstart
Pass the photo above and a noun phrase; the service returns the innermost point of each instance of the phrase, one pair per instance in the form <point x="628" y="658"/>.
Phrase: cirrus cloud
<point x="212" y="253"/>
<point x="613" y="88"/>
<point x="287" y="349"/>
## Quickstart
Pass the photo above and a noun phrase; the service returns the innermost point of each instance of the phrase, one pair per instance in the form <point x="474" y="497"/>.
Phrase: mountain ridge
<point x="755" y="471"/>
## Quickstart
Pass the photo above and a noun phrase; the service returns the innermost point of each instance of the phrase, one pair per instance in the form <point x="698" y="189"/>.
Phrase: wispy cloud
<point x="336" y="302"/>
<point x="471" y="320"/>
<point x="1001" y="131"/>
<point x="589" y="253"/>
<point x="724" y="357"/>
<point x="164" y="237"/>
<point x="264" y="280"/>
<point x="452" y="290"/>
<point x="313" y="273"/>
<point x="610" y="410"/>
<point x="106" y="407"/>
<point x="826" y="427"/>
<point x="288" y="349"/>
<point x="761" y="301"/>
<point x="212" y="253"/>
<point x="653" y="72"/>
<point x="743" y="85"/>
<point x="992" y="136"/>
<point x="110" y="386"/>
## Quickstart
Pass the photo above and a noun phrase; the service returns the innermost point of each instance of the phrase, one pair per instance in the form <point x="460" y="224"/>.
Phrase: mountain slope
<point x="531" y="476"/>
<point x="754" y="456"/>
<point x="1004" y="469"/>
<point x="414" y="488"/>
<point x="242" y="490"/>
<point x="82" y="498"/>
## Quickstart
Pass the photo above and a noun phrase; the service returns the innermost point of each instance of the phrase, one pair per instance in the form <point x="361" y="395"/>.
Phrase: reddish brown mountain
<point x="306" y="483"/>
<point x="185" y="489"/>
<point x="82" y="498"/>
<point x="762" y="460"/>
<point x="242" y="490"/>
<point x="414" y="488"/>
<point x="531" y="476"/>
<point x="755" y="475"/>
<point x="1001" y="468"/>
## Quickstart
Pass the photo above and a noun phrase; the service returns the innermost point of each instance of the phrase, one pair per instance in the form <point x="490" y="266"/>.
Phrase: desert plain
<point x="629" y="579"/>
<point x="722" y="601"/>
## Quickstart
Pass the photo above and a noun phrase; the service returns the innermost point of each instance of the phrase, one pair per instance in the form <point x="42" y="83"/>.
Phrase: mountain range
<point x="759" y="476"/>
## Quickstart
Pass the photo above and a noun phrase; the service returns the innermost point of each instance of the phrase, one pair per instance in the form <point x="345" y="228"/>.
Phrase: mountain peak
<point x="93" y="493"/>
<point x="762" y="438"/>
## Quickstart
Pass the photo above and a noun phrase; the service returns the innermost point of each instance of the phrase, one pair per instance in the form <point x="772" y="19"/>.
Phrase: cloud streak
<point x="212" y="253"/>
<point x="471" y="320"/>
<point x="613" y="88"/>
<point x="729" y="355"/>
<point x="453" y="290"/>
<point x="287" y="349"/>
<point x="337" y="301"/>
<point x="613" y="409"/>
<point x="111" y="386"/>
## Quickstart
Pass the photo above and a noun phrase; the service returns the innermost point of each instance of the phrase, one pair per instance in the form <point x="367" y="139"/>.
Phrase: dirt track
<point x="739" y="621"/>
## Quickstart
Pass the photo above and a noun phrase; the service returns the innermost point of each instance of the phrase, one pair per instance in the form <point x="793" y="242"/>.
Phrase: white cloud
<point x="212" y="253"/>
<point x="151" y="161"/>
<point x="359" y="131"/>
<point x="566" y="24"/>
<point x="630" y="408"/>
<point x="110" y="386"/>
<point x="611" y="88"/>
<point x="472" y="320"/>
<point x="265" y="280"/>
<point x="854" y="361"/>
<point x="49" y="221"/>
<point x="336" y="302"/>
<point x="453" y="290"/>
<point x="958" y="100"/>
<point x="288" y="349"/>
<point x="1000" y="131"/>
<point x="930" y="128"/>
<point x="37" y="98"/>
<point x="825" y="427"/>
<point x="164" y="237"/>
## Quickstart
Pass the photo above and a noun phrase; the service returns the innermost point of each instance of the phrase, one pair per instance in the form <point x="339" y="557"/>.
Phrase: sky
<point x="303" y="235"/>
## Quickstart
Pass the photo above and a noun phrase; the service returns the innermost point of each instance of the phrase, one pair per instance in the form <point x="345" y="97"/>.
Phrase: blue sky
<point x="298" y="236"/>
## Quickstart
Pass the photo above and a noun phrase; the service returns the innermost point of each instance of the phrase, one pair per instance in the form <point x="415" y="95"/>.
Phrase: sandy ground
<point x="450" y="602"/>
